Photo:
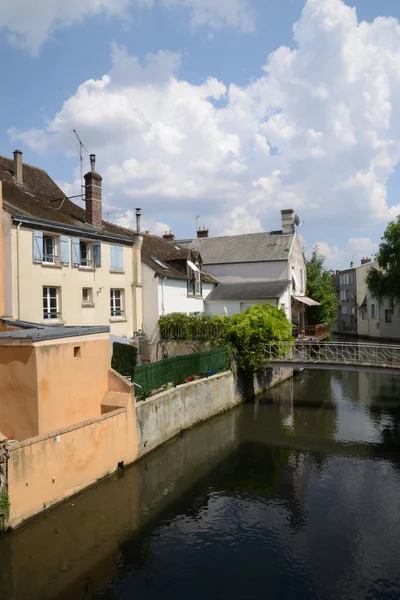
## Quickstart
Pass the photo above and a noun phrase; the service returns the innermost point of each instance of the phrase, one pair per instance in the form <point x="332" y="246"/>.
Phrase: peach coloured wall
<point x="19" y="417"/>
<point x="70" y="389"/>
<point x="1" y="253"/>
<point x="49" y="468"/>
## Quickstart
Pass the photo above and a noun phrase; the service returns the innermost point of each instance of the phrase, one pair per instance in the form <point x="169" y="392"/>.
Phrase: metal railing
<point x="321" y="330"/>
<point x="333" y="353"/>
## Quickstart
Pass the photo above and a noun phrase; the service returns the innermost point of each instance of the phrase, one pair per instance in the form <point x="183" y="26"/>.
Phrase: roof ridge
<point x="25" y="164"/>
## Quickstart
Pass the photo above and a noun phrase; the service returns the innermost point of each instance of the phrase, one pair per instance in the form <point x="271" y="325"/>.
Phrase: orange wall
<point x="1" y="253"/>
<point x="18" y="392"/>
<point x="71" y="389"/>
<point x="49" y="468"/>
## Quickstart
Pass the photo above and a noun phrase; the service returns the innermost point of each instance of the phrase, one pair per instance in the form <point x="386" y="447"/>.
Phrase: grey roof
<point x="253" y="290"/>
<point x="39" y="334"/>
<point x="250" y="247"/>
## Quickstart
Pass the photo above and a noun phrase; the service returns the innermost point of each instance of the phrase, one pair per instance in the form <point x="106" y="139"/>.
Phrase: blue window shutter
<point x="37" y="247"/>
<point x="113" y="258"/>
<point x="64" y="249"/>
<point x="97" y="254"/>
<point x="76" y="253"/>
<point x="120" y="262"/>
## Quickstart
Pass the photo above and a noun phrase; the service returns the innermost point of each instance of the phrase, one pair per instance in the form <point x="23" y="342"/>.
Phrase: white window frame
<point x="114" y="311"/>
<point x="53" y="255"/>
<point x="46" y="303"/>
<point x="387" y="312"/>
<point x="89" y="299"/>
<point x="88" y="261"/>
<point x="373" y="311"/>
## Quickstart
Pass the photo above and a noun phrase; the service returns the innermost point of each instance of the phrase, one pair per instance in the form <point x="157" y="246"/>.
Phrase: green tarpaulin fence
<point x="177" y="369"/>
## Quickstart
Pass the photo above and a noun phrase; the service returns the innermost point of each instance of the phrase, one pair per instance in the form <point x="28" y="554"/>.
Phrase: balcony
<point x="316" y="332"/>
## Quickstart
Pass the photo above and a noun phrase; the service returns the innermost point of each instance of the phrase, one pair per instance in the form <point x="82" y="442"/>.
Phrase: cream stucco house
<point x="62" y="264"/>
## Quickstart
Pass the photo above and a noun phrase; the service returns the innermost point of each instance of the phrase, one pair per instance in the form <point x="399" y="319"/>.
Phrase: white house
<point x="173" y="281"/>
<point x="256" y="268"/>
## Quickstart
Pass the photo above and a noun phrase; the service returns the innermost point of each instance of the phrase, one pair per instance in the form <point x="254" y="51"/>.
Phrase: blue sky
<point x="221" y="109"/>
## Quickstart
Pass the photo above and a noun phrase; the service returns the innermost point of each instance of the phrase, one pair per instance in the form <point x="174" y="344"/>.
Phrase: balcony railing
<point x="318" y="332"/>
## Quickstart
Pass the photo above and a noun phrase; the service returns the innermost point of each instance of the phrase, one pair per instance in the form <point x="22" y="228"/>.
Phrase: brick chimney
<point x="203" y="233"/>
<point x="18" y="166"/>
<point x="365" y="260"/>
<point x="93" y="196"/>
<point x="287" y="221"/>
<point x="168" y="236"/>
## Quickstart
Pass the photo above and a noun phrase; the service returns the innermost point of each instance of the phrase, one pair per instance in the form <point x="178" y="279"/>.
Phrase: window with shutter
<point x="37" y="246"/>
<point x="64" y="249"/>
<point x="97" y="254"/>
<point x="76" y="252"/>
<point x="116" y="258"/>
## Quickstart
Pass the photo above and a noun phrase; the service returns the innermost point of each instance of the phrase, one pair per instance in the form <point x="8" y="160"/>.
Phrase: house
<point x="62" y="263"/>
<point x="173" y="281"/>
<point x="375" y="319"/>
<point x="347" y="297"/>
<point x="256" y="268"/>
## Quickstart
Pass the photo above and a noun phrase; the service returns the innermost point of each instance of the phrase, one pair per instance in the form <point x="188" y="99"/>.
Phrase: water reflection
<point x="294" y="496"/>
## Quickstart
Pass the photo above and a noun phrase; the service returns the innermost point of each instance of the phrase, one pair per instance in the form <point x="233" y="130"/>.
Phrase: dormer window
<point x="194" y="282"/>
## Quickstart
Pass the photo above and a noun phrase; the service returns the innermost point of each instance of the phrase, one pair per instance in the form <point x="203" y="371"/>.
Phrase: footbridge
<point x="344" y="356"/>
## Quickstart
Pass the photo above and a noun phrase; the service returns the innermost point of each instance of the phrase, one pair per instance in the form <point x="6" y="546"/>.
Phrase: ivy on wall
<point x="124" y="359"/>
<point x="4" y="508"/>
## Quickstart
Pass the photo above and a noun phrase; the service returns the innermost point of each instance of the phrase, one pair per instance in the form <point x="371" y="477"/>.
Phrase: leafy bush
<point x="246" y="334"/>
<point x="4" y="509"/>
<point x="124" y="358"/>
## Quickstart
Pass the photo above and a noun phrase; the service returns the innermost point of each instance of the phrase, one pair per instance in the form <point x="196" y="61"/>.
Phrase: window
<point x="51" y="303"/>
<point x="49" y="249"/>
<point x="341" y="280"/>
<point x="373" y="311"/>
<point x="353" y="294"/>
<point x="77" y="351"/>
<point x="117" y="303"/>
<point x="347" y="294"/>
<point x="194" y="286"/>
<point x="85" y="254"/>
<point x="87" y="296"/>
<point x="388" y="316"/>
<point x="301" y="281"/>
<point x="344" y="310"/>
<point x="364" y="315"/>
<point x="116" y="258"/>
<point x="160" y="263"/>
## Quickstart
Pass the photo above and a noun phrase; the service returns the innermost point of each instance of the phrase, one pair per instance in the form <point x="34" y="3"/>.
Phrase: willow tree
<point x="383" y="281"/>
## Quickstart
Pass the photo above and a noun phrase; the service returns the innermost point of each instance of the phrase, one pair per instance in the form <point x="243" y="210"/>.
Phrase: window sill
<point x="87" y="304"/>
<point x="51" y="266"/>
<point x="55" y="322"/>
<point x="118" y="319"/>
<point x="117" y="271"/>
<point x="197" y="297"/>
<point x="83" y="268"/>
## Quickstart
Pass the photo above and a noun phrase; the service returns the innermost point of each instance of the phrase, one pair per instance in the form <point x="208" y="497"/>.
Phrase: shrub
<point x="124" y="358"/>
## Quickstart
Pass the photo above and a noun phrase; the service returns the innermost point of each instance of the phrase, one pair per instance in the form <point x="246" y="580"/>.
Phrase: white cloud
<point x="362" y="247"/>
<point x="318" y="131"/>
<point x="330" y="253"/>
<point x="27" y="24"/>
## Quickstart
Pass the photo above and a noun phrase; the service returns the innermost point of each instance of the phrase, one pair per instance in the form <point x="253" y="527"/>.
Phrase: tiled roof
<point x="250" y="247"/>
<point x="172" y="255"/>
<point x="248" y="290"/>
<point x="41" y="198"/>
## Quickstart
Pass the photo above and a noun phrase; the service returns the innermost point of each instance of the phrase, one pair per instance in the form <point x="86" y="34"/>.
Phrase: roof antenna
<point x="81" y="146"/>
<point x="197" y="218"/>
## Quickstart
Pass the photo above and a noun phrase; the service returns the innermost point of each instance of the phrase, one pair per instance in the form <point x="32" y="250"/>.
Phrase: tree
<point x="320" y="288"/>
<point x="251" y="330"/>
<point x="384" y="281"/>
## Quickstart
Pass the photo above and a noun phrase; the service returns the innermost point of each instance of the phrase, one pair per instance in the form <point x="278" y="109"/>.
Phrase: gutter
<point x="44" y="224"/>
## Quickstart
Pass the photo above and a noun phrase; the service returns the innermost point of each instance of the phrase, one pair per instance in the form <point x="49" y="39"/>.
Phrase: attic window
<point x="176" y="247"/>
<point x="160" y="263"/>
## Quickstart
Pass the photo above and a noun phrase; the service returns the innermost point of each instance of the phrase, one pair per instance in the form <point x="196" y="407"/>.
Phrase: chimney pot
<point x="93" y="195"/>
<point x="287" y="221"/>
<point x="138" y="216"/>
<point x="202" y="232"/>
<point x="18" y="166"/>
<point x="169" y="236"/>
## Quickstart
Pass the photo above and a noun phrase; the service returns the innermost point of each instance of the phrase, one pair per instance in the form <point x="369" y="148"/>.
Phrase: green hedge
<point x="177" y="369"/>
<point x="205" y="328"/>
<point x="124" y="358"/>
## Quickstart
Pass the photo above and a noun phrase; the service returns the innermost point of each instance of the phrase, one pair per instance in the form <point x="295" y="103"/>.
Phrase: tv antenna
<point x="81" y="147"/>
<point x="197" y="218"/>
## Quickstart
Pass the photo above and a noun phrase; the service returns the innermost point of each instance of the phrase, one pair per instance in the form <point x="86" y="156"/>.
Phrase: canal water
<point x="296" y="496"/>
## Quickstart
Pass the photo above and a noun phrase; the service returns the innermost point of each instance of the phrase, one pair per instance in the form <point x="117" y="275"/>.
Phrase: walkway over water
<point x="344" y="356"/>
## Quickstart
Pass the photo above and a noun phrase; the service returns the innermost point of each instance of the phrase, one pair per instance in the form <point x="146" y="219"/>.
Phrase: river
<point x="296" y="496"/>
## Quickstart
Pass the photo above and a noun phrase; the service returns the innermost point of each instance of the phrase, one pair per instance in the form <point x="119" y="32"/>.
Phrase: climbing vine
<point x="4" y="508"/>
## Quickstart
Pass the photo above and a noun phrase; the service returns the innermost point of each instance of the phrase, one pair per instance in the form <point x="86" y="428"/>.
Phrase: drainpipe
<point x="18" y="286"/>
<point x="162" y="295"/>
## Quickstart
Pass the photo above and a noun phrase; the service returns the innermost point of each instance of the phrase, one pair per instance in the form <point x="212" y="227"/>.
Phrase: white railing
<point x="340" y="353"/>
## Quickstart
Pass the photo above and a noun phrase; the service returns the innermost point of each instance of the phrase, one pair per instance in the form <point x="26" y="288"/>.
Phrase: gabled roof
<point x="249" y="290"/>
<point x="173" y="256"/>
<point x="249" y="247"/>
<point x="40" y="197"/>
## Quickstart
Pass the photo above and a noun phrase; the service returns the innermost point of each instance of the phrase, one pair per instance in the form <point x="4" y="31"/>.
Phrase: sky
<point x="229" y="110"/>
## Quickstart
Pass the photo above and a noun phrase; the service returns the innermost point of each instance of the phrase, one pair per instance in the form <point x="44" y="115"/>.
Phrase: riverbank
<point x="48" y="469"/>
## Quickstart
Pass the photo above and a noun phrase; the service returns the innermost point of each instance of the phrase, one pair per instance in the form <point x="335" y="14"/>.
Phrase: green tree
<point x="384" y="281"/>
<point x="251" y="330"/>
<point x="321" y="289"/>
